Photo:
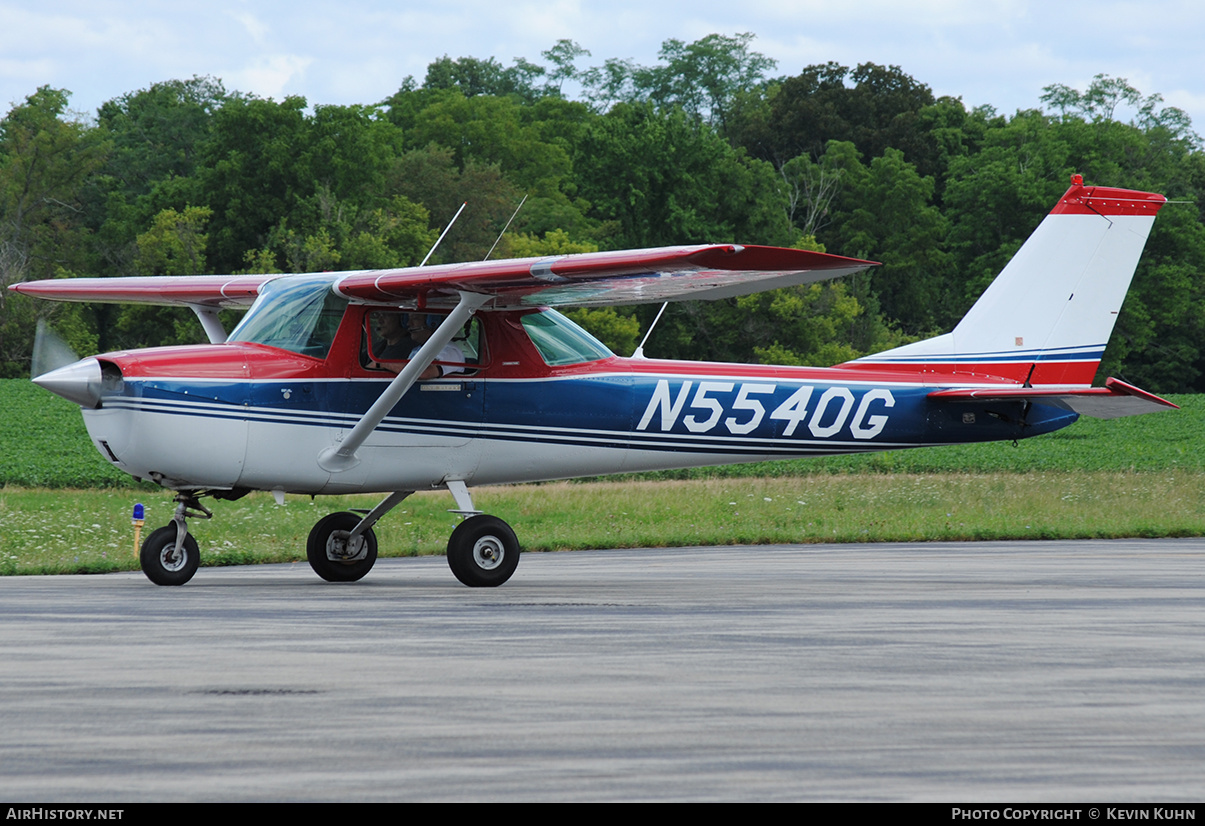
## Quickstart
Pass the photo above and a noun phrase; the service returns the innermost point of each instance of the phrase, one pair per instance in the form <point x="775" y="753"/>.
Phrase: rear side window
<point x="560" y="341"/>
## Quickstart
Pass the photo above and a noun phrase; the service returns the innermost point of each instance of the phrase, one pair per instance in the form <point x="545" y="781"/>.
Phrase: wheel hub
<point x="339" y="549"/>
<point x="488" y="552"/>
<point x="172" y="560"/>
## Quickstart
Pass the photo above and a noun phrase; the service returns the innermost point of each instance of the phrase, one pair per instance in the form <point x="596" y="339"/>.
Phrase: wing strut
<point x="208" y="316"/>
<point x="342" y="456"/>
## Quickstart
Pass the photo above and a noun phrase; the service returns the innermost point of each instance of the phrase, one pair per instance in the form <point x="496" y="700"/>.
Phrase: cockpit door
<point x="442" y="410"/>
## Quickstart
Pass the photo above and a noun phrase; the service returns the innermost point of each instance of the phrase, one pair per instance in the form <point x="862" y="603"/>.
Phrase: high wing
<point x="210" y="291"/>
<point x="610" y="278"/>
<point x="1114" y="400"/>
<point x="588" y="279"/>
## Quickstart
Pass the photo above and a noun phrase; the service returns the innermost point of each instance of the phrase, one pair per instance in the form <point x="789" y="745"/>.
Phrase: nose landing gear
<point x="170" y="556"/>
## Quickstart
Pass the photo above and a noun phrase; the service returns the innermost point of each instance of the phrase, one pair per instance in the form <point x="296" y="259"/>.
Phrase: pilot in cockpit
<point x="391" y="342"/>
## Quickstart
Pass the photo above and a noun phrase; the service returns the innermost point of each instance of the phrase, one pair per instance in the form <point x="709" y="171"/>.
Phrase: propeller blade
<point x="50" y="352"/>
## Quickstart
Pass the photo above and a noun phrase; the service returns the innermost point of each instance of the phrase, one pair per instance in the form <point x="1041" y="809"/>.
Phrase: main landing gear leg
<point x="483" y="551"/>
<point x="170" y="556"/>
<point x="342" y="547"/>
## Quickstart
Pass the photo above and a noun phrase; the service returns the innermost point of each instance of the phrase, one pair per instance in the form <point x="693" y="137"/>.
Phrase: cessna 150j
<point x="317" y="390"/>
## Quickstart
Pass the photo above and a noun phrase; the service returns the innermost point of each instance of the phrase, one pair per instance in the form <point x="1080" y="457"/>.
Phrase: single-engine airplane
<point x="318" y="390"/>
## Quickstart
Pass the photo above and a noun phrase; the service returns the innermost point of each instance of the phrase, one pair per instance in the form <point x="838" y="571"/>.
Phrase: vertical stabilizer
<point x="1047" y="317"/>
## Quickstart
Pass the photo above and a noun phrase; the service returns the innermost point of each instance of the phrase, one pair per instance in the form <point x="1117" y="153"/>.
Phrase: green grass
<point x="90" y="531"/>
<point x="43" y="442"/>
<point x="60" y="531"/>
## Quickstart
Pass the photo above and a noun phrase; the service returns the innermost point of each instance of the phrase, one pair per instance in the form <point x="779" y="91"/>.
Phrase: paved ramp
<point x="1043" y="671"/>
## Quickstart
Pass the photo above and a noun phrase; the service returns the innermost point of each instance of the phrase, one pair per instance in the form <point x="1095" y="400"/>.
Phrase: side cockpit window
<point x="392" y="337"/>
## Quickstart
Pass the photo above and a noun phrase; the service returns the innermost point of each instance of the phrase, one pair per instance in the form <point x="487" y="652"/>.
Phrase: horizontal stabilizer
<point x="1114" y="400"/>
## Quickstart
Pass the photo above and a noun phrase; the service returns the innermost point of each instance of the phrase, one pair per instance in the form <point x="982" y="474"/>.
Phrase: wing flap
<point x="1114" y="400"/>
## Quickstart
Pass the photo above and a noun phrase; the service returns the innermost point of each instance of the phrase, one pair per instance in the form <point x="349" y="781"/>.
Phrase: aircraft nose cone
<point x="79" y="382"/>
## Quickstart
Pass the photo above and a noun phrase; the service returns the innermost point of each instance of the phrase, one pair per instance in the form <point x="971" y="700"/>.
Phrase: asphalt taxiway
<point x="1036" y="671"/>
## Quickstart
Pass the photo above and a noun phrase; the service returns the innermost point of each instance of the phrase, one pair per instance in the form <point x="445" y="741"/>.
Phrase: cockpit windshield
<point x="300" y="314"/>
<point x="560" y="341"/>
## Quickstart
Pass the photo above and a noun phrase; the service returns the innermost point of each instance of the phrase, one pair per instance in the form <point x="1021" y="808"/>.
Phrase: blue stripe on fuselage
<point x="715" y="414"/>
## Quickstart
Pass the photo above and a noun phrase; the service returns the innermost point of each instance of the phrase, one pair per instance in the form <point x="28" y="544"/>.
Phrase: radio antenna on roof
<point x="445" y="232"/>
<point x="505" y="228"/>
<point x="639" y="354"/>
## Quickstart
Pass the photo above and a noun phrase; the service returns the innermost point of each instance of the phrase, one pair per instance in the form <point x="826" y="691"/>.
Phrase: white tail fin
<point x="1047" y="317"/>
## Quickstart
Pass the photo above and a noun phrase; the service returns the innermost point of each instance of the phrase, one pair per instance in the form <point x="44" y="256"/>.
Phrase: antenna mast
<point x="639" y="354"/>
<point x="445" y="232"/>
<point x="505" y="228"/>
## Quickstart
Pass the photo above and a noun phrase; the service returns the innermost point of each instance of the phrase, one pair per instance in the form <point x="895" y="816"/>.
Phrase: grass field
<point x="63" y="509"/>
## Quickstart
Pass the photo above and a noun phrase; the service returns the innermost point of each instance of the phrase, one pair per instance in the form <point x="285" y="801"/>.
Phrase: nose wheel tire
<point x="328" y="542"/>
<point x="483" y="552"/>
<point x="160" y="561"/>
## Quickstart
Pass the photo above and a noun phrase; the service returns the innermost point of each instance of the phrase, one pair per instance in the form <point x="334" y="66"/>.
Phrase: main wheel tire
<point x="483" y="552"/>
<point x="320" y="537"/>
<point x="160" y="562"/>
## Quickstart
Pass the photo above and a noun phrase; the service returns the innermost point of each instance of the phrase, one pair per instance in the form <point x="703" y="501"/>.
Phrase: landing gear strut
<point x="483" y="551"/>
<point x="342" y="547"/>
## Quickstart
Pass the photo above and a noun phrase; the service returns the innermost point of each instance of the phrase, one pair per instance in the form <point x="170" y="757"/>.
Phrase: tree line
<point x="707" y="145"/>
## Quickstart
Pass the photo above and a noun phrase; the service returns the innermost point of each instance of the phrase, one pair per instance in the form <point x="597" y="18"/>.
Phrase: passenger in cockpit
<point x="420" y="328"/>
